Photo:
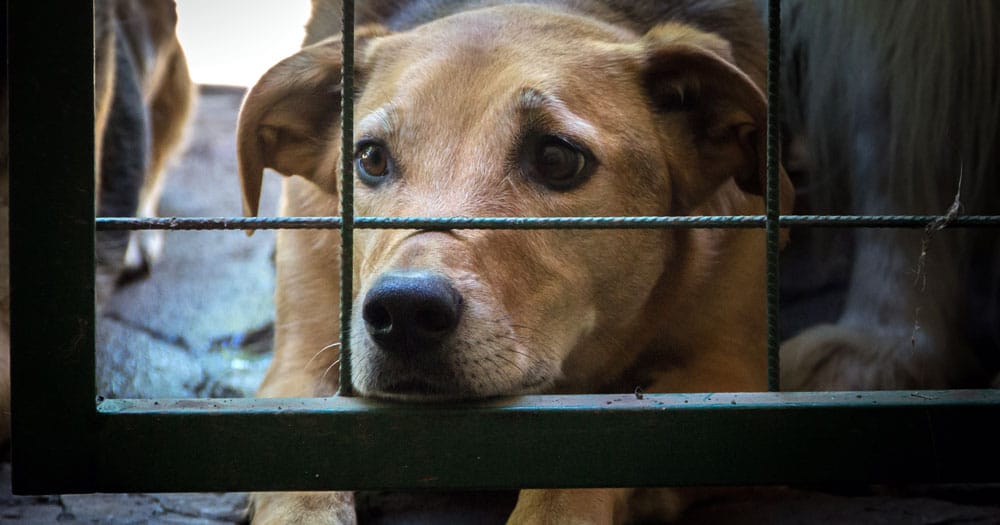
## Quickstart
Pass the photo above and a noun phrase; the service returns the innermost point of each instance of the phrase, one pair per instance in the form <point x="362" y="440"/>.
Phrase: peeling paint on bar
<point x="526" y="223"/>
<point x="539" y="441"/>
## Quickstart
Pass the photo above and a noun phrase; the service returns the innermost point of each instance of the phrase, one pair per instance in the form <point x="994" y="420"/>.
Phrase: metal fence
<point x="65" y="442"/>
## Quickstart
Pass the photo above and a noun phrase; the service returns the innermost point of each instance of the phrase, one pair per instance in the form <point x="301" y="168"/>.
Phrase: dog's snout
<point x="411" y="310"/>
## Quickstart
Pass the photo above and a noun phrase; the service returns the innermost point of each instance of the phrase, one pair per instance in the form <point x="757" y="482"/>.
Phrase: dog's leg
<point x="169" y="110"/>
<point x="305" y="354"/>
<point x="104" y="71"/>
<point x="570" y="506"/>
<point x="722" y="371"/>
<point x="897" y="329"/>
<point x="302" y="508"/>
<point x="599" y="506"/>
<point x="124" y="157"/>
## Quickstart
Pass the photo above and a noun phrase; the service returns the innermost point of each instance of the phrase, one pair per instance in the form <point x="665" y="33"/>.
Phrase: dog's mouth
<point x="462" y="369"/>
<point x="428" y="336"/>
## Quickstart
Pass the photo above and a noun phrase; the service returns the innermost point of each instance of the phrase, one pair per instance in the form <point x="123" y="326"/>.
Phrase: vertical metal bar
<point x="52" y="246"/>
<point x="773" y="187"/>
<point x="347" y="199"/>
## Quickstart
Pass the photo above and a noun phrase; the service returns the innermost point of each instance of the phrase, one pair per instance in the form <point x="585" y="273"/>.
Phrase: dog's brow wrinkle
<point x="541" y="106"/>
<point x="531" y="98"/>
<point x="381" y="121"/>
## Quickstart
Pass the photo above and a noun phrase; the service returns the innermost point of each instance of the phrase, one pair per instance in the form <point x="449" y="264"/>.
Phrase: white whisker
<point x="321" y="350"/>
<point x="327" y="371"/>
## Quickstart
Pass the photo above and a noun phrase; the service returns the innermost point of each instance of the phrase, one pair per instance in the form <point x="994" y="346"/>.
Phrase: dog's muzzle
<point x="411" y="311"/>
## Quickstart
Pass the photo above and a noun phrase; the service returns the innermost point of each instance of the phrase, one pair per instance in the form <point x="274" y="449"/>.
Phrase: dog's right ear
<point x="290" y="120"/>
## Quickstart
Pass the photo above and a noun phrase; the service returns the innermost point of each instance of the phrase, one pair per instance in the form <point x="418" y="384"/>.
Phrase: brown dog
<point x="557" y="108"/>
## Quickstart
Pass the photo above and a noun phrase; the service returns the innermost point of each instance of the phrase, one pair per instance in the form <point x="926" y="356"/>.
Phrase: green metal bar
<point x="52" y="245"/>
<point x="347" y="200"/>
<point x="549" y="441"/>
<point x="524" y="223"/>
<point x="889" y="221"/>
<point x="773" y="192"/>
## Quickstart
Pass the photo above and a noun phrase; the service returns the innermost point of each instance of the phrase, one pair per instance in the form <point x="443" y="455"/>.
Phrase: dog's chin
<point x="457" y="374"/>
<point x="419" y="390"/>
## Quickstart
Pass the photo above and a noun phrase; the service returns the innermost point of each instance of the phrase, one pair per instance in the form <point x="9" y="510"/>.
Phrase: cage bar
<point x="549" y="441"/>
<point x="527" y="223"/>
<point x="51" y="142"/>
<point x="772" y="195"/>
<point x="346" y="200"/>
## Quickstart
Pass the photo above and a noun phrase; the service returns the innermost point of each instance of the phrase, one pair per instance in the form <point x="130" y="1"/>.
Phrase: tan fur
<point x="676" y="125"/>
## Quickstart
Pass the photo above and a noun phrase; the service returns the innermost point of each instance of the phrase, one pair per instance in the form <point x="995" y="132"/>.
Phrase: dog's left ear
<point x="700" y="96"/>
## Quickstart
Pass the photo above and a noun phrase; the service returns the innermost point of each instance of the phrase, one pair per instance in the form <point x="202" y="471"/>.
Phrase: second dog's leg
<point x="305" y="508"/>
<point x="898" y="325"/>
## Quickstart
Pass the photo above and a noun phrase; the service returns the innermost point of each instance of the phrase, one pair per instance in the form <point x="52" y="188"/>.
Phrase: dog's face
<point x="512" y="111"/>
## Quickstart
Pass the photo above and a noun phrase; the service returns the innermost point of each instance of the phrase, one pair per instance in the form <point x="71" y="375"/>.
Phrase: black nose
<point x="411" y="311"/>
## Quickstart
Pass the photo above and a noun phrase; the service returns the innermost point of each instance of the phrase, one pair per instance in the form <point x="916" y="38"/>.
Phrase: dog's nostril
<point x="411" y="310"/>
<point x="377" y="317"/>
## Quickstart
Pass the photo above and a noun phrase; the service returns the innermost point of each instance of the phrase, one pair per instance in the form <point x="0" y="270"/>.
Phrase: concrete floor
<point x="199" y="326"/>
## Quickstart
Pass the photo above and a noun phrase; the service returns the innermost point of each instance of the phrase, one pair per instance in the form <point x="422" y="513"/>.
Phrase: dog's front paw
<point x="836" y="357"/>
<point x="305" y="508"/>
<point x="568" y="507"/>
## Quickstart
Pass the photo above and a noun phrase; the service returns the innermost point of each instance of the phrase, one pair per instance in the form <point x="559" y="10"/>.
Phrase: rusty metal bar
<point x="528" y="223"/>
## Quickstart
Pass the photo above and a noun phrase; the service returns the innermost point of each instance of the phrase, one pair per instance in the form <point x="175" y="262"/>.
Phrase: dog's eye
<point x="372" y="162"/>
<point x="556" y="163"/>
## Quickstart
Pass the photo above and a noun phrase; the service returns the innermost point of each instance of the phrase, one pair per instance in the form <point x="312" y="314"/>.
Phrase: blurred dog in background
<point x="142" y="99"/>
<point x="892" y="108"/>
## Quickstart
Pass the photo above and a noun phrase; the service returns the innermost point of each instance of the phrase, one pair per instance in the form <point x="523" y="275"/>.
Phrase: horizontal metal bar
<point x="217" y="223"/>
<point x="891" y="221"/>
<point x="539" y="223"/>
<point x="547" y="441"/>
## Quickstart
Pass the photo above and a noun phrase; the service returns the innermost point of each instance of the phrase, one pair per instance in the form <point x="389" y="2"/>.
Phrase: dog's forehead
<point x="488" y="39"/>
<point x="519" y="26"/>
<point x="494" y="61"/>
